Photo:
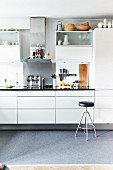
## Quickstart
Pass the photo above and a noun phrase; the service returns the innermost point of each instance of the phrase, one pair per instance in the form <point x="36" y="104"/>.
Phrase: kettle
<point x="59" y="26"/>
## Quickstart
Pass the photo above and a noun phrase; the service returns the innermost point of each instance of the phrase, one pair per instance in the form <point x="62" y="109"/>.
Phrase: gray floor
<point x="55" y="147"/>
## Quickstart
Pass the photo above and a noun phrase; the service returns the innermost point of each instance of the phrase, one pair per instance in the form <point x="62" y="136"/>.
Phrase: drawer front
<point x="8" y="93"/>
<point x="41" y="116"/>
<point x="69" y="116"/>
<point x="36" y="102"/>
<point x="75" y="93"/>
<point x="36" y="93"/>
<point x="71" y="102"/>
<point x="8" y="102"/>
<point x="8" y="116"/>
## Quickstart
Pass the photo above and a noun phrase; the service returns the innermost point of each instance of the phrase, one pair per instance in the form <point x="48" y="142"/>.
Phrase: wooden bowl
<point x="68" y="27"/>
<point x="82" y="27"/>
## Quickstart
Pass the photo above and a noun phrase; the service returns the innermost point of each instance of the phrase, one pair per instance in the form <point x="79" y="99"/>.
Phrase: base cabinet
<point x="40" y="116"/>
<point x="67" y="109"/>
<point x="43" y="107"/>
<point x="36" y="107"/>
<point x="8" y="107"/>
<point x="103" y="106"/>
<point x="8" y="116"/>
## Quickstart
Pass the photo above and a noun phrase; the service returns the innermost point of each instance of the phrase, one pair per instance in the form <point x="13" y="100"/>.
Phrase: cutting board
<point x="83" y="75"/>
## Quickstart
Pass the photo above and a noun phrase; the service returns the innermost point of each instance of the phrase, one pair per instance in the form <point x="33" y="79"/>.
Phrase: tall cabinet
<point x="103" y="58"/>
<point x="103" y="55"/>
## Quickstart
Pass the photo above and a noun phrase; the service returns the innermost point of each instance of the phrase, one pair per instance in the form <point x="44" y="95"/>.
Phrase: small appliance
<point x="34" y="81"/>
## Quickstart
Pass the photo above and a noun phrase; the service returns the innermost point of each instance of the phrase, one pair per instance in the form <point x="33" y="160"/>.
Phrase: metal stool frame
<point x="86" y="113"/>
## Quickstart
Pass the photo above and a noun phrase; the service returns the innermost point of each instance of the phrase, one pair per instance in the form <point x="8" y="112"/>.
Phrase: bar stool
<point x="85" y="115"/>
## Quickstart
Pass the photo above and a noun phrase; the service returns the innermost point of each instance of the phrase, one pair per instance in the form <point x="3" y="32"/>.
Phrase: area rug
<point x="61" y="167"/>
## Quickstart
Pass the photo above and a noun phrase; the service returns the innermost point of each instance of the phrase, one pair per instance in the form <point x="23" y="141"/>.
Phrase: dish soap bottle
<point x="16" y="83"/>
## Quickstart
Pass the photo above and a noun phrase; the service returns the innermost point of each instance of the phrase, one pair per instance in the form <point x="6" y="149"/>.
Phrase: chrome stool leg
<point x="92" y="123"/>
<point x="79" y="124"/>
<point x="86" y="127"/>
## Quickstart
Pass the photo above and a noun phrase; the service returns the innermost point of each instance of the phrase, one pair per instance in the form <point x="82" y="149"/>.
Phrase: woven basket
<point x="68" y="27"/>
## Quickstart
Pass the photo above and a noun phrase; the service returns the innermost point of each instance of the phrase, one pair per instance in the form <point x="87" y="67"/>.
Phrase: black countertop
<point x="25" y="88"/>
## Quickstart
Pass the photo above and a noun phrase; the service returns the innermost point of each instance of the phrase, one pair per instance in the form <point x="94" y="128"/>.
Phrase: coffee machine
<point x="35" y="81"/>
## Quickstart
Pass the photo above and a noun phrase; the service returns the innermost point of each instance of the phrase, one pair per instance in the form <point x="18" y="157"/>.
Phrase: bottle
<point x="5" y="83"/>
<point x="48" y="56"/>
<point x="105" y="23"/>
<point x="109" y="24"/>
<point x="16" y="83"/>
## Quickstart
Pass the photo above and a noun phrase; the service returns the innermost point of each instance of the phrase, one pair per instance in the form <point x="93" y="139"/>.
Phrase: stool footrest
<point x="84" y="128"/>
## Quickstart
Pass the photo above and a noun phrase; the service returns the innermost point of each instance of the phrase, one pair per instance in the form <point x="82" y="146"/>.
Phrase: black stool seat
<point x="86" y="104"/>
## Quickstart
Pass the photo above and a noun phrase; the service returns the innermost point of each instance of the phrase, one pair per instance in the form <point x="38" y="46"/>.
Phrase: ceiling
<point x="57" y="8"/>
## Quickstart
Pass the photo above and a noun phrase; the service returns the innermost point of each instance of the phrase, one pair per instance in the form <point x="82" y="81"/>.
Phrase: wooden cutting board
<point x="83" y="75"/>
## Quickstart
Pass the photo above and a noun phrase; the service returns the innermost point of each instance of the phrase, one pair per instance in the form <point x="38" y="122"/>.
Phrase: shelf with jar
<point x="9" y="38"/>
<point x="38" y="54"/>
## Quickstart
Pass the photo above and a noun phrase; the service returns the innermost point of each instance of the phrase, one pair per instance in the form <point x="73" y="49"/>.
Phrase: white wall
<point x="8" y="71"/>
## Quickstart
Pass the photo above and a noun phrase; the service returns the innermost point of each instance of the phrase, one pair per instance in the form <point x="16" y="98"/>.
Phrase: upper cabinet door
<point x="9" y="46"/>
<point x="103" y="57"/>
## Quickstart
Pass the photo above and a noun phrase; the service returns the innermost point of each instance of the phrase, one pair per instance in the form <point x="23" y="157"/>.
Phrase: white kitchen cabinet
<point x="36" y="102"/>
<point x="67" y="109"/>
<point x="8" y="107"/>
<point x="103" y="106"/>
<point x="36" y="116"/>
<point x="103" y="57"/>
<point x="9" y="46"/>
<point x="79" y="47"/>
<point x="8" y="116"/>
<point x="36" y="107"/>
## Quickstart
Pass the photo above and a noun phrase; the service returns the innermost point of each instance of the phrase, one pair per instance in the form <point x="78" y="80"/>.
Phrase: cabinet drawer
<point x="8" y="102"/>
<point x="71" y="102"/>
<point x="41" y="116"/>
<point x="68" y="116"/>
<point x="8" y="93"/>
<point x="36" y="102"/>
<point x="36" y="93"/>
<point x="8" y="116"/>
<point x="75" y="93"/>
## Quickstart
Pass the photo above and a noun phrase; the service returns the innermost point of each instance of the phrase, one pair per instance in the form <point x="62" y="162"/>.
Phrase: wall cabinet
<point x="9" y="46"/>
<point x="79" y="47"/>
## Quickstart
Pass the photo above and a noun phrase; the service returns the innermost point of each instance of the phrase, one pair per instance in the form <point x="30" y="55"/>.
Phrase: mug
<point x="59" y="42"/>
